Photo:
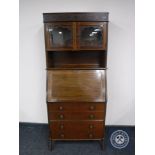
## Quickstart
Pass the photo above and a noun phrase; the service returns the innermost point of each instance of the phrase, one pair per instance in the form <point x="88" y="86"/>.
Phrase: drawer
<point x="76" y="115"/>
<point x="76" y="106"/>
<point x="77" y="129"/>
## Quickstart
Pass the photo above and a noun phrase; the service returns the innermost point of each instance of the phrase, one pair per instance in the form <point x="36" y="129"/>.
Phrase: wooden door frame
<point x="104" y="32"/>
<point x="47" y="35"/>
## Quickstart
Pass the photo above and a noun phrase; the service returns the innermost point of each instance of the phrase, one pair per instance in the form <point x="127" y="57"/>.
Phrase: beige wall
<point x="120" y="107"/>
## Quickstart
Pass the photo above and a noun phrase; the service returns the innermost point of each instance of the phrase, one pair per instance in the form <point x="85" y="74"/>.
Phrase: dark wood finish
<point x="51" y="144"/>
<point x="75" y="31"/>
<point x="77" y="68"/>
<point x="74" y="59"/>
<point x="76" y="116"/>
<point x="48" y="26"/>
<point x="85" y="16"/>
<point x="77" y="130"/>
<point x="102" y="144"/>
<point x="76" y="85"/>
<point x="76" y="106"/>
<point x="101" y="25"/>
<point x="76" y="63"/>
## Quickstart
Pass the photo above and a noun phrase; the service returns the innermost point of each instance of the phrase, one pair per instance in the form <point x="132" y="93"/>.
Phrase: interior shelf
<point x="76" y="60"/>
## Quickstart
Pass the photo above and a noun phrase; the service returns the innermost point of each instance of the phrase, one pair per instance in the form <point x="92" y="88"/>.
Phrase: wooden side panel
<point x="76" y="85"/>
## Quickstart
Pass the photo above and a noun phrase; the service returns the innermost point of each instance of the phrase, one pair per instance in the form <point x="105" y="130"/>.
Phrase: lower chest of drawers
<point x="72" y="121"/>
<point x="77" y="129"/>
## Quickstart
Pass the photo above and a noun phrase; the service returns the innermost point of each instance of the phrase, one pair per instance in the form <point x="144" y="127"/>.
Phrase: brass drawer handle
<point x="90" y="135"/>
<point x="91" y="116"/>
<point x="60" y="108"/>
<point x="61" y="116"/>
<point x="62" y="135"/>
<point x="91" y="126"/>
<point x="92" y="107"/>
<point x="61" y="126"/>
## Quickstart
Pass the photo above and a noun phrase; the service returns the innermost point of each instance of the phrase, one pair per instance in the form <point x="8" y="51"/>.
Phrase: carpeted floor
<point x="34" y="141"/>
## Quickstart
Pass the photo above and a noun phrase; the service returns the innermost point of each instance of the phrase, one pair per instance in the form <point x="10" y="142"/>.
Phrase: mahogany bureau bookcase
<point x="76" y="61"/>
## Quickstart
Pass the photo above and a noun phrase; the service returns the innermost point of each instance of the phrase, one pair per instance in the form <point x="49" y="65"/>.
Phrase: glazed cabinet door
<point x="76" y="85"/>
<point x="59" y="36"/>
<point x="91" y="35"/>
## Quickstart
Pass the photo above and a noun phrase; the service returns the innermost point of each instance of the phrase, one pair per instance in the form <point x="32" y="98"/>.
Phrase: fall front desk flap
<point x="76" y="85"/>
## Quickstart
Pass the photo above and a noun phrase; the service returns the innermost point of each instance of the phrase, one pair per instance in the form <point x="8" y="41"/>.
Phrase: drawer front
<point x="76" y="116"/>
<point x="76" y="107"/>
<point x="77" y="129"/>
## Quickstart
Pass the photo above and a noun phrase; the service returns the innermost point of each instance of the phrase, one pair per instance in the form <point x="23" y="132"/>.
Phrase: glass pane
<point x="60" y="36"/>
<point x="91" y="36"/>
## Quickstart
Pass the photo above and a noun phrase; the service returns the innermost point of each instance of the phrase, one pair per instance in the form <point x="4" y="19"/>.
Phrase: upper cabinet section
<point x="75" y="31"/>
<point x="76" y="35"/>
